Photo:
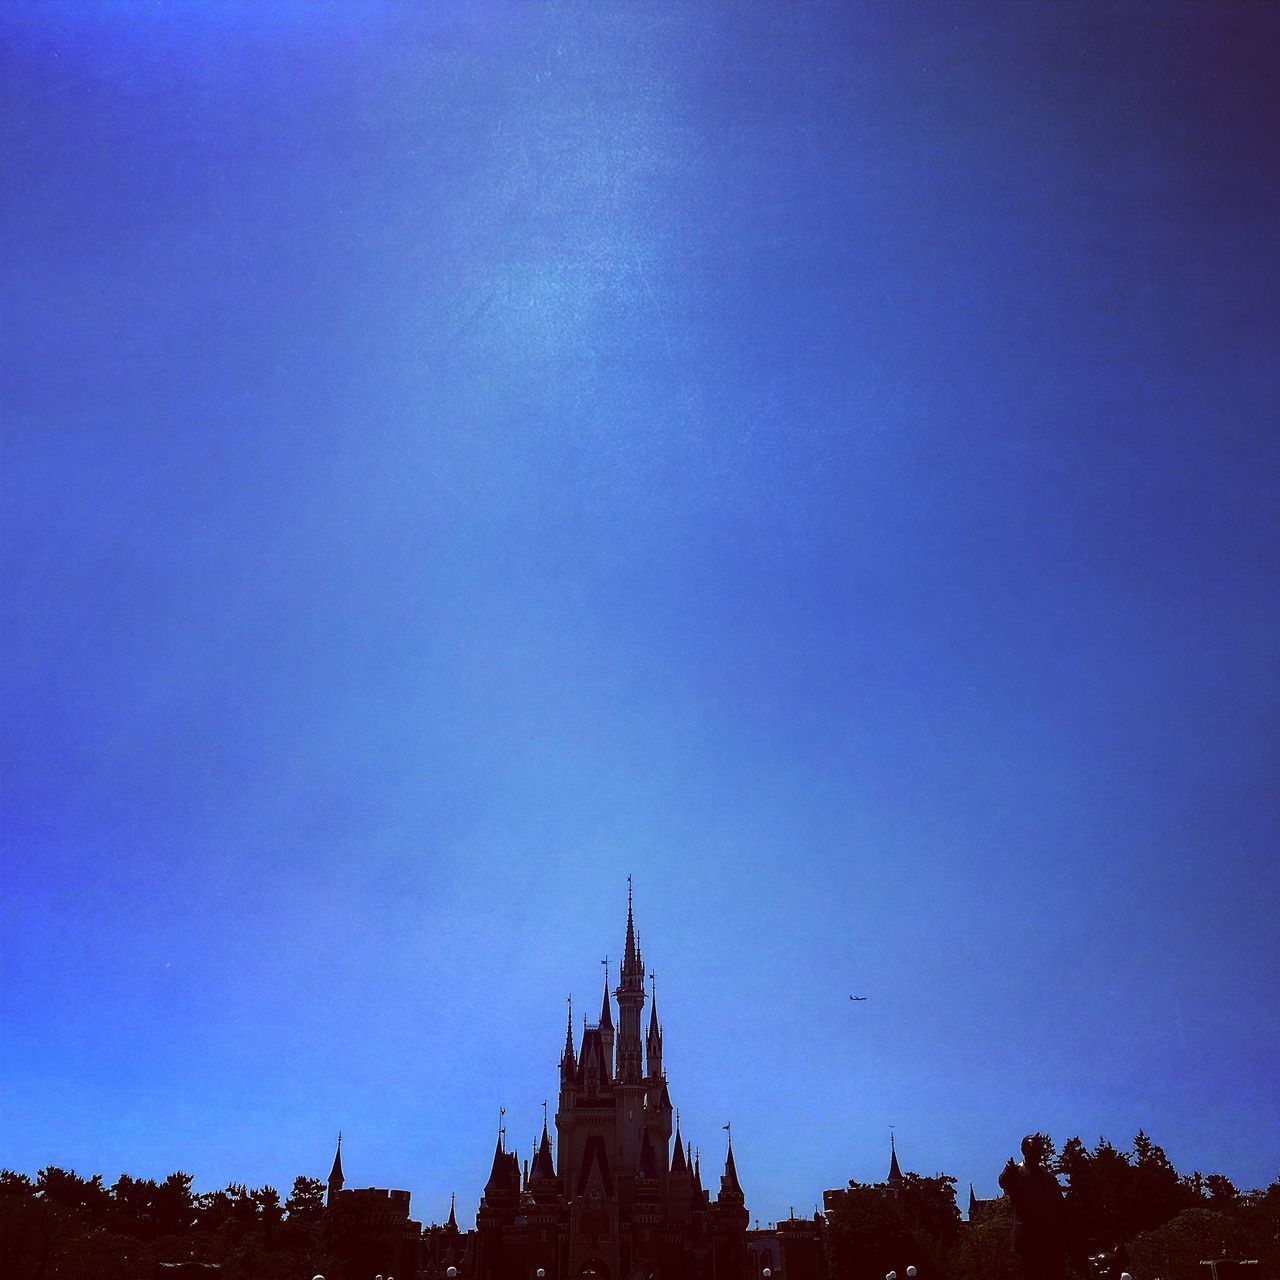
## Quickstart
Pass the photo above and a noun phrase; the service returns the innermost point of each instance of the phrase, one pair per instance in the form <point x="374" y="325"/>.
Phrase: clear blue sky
<point x="821" y="459"/>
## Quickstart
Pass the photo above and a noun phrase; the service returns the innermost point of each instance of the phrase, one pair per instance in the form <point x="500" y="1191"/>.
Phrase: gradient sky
<point x="820" y="459"/>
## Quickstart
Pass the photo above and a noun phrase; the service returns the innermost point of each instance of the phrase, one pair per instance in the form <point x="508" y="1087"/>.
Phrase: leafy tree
<point x="14" y="1184"/>
<point x="306" y="1200"/>
<point x="66" y="1227"/>
<point x="267" y="1203"/>
<point x="132" y="1205"/>
<point x="1098" y="1190"/>
<point x="984" y="1251"/>
<point x="86" y="1198"/>
<point x="1155" y="1192"/>
<point x="1221" y="1191"/>
<point x="29" y="1228"/>
<point x="1174" y="1250"/>
<point x="173" y="1207"/>
<point x="868" y="1234"/>
<point x="871" y="1230"/>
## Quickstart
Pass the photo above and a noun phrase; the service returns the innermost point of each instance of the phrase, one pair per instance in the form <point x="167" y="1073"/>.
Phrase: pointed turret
<point x="729" y="1216"/>
<point x="543" y="1165"/>
<point x="452" y="1224"/>
<point x="894" y="1179"/>
<point x="678" y="1163"/>
<point x="606" y="1024"/>
<point x="630" y="956"/>
<point x="697" y="1196"/>
<point x="568" y="1060"/>
<point x="593" y="1065"/>
<point x="973" y="1202"/>
<point x="653" y="1038"/>
<point x="629" y="1069"/>
<point x="499" y="1172"/>
<point x="660" y="1098"/>
<point x="336" y="1179"/>
<point x="542" y="1173"/>
<point x="606" y="1015"/>
<point x="729" y="1179"/>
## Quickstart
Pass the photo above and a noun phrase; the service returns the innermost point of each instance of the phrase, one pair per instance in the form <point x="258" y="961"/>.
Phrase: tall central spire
<point x="630" y="956"/>
<point x="631" y="997"/>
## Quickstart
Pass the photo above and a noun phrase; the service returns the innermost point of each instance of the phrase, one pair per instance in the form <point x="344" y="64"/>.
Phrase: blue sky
<point x="818" y="459"/>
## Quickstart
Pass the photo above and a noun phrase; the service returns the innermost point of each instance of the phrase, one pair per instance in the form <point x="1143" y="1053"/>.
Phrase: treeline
<point x="65" y="1227"/>
<point x="1168" y="1222"/>
<point x="62" y="1226"/>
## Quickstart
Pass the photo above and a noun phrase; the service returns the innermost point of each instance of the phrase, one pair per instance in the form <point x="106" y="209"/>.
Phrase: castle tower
<point x="611" y="1200"/>
<point x="335" y="1175"/>
<point x="630" y="1082"/>
<point x="894" y="1180"/>
<point x="679" y="1181"/>
<point x="497" y="1212"/>
<point x="630" y="997"/>
<point x="653" y="1040"/>
<point x="729" y="1222"/>
<point x="606" y="1023"/>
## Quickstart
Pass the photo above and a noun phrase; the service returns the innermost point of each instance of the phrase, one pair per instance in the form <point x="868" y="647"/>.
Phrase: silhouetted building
<point x="892" y="1184"/>
<point x="981" y="1210"/>
<point x="447" y="1246"/>
<point x="790" y="1249"/>
<point x="369" y="1229"/>
<point x="619" y="1197"/>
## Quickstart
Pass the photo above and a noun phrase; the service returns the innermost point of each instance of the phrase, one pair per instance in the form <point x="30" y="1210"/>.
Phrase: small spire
<point x="630" y="960"/>
<point x="697" y="1197"/>
<point x="500" y="1169"/>
<point x="655" y="1031"/>
<point x="335" y="1174"/>
<point x="678" y="1163"/>
<point x="568" y="1061"/>
<point x="730" y="1180"/>
<point x="895" y="1174"/>
<point x="453" y="1220"/>
<point x="543" y="1168"/>
<point x="606" y="1018"/>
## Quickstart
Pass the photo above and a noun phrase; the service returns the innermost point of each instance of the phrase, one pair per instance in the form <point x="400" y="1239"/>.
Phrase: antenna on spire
<point x="729" y="1130"/>
<point x="628" y="893"/>
<point x="502" y="1129"/>
<point x="605" y="962"/>
<point x="544" y="1113"/>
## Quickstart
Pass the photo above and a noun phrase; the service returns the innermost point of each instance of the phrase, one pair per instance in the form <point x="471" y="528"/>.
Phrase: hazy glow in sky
<point x="820" y="459"/>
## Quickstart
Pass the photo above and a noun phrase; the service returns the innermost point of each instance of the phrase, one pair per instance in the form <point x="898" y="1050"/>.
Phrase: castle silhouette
<point x="616" y="1198"/>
